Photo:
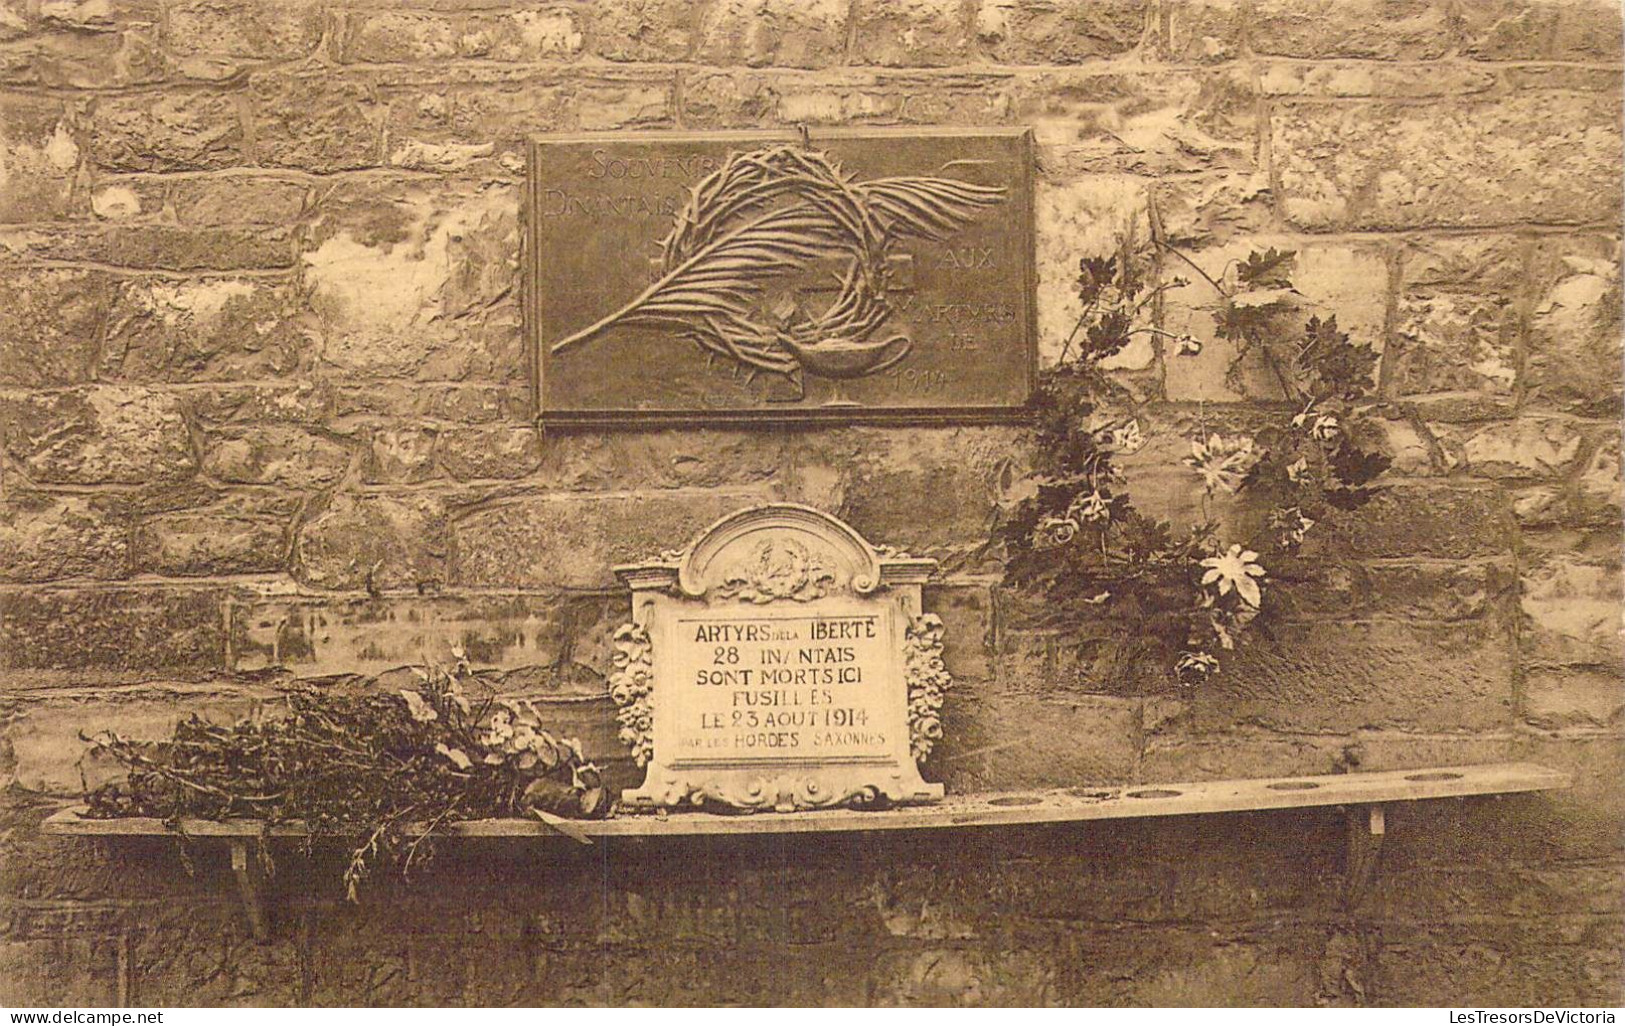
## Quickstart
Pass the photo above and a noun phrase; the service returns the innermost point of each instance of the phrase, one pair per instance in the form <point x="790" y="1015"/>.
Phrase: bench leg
<point x="248" y="887"/>
<point x="1366" y="828"/>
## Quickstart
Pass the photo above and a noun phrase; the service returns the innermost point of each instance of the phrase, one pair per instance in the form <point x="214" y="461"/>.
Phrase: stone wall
<point x="264" y="415"/>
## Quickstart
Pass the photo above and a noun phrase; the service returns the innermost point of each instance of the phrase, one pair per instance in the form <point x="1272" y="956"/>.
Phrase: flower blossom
<point x="1092" y="508"/>
<point x="1053" y="531"/>
<point x="1222" y="462"/>
<point x="1235" y="570"/>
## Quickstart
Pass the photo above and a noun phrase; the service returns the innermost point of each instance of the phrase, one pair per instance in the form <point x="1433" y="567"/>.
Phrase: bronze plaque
<point x="742" y="277"/>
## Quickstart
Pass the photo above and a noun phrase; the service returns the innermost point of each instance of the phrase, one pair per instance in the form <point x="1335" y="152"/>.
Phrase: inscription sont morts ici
<point x="786" y="686"/>
<point x="779" y="663"/>
<point x="763" y="276"/>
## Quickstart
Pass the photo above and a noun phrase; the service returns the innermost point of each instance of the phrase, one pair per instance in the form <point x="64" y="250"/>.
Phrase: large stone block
<point x="215" y="202"/>
<point x="399" y="454"/>
<point x="1325" y="676"/>
<point x="77" y="972"/>
<point x="1574" y="330"/>
<point x="279" y="454"/>
<point x="51" y="321"/>
<point x="40" y="147"/>
<point x="1219" y="208"/>
<point x="1571" y="611"/>
<point x="777" y="33"/>
<point x="81" y="44"/>
<point x="155" y="246"/>
<point x="1060" y="31"/>
<point x="46" y="537"/>
<point x="690" y="458"/>
<point x="281" y="30"/>
<point x="1498" y="963"/>
<point x="930" y="491"/>
<point x="1573" y="696"/>
<point x="317" y="122"/>
<point x="307" y="403"/>
<point x="1534" y="30"/>
<point x="147" y="631"/>
<point x="375" y="542"/>
<point x="572" y="542"/>
<point x="104" y="434"/>
<point x="1327" y="78"/>
<point x="1601" y="487"/>
<point x="846" y="98"/>
<point x="210" y="329"/>
<point x="239" y="535"/>
<point x="411" y="280"/>
<point x="480" y="118"/>
<point x="490" y="452"/>
<point x="967" y="614"/>
<point x="1526" y="448"/>
<point x="1198" y="30"/>
<point x="373" y="636"/>
<point x="1382" y="29"/>
<point x="183" y="131"/>
<point x="997" y="740"/>
<point x="551" y="33"/>
<point x="642" y="30"/>
<point x="1536" y="156"/>
<point x="1448" y="521"/>
<point x="1453" y="591"/>
<point x="53" y="759"/>
<point x="1095" y="216"/>
<point x="1174" y="754"/>
<point x="1147" y="122"/>
<point x="1459" y="318"/>
<point x="911" y="33"/>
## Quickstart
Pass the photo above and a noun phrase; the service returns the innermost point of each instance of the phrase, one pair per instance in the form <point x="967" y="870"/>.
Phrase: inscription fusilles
<point x="785" y="686"/>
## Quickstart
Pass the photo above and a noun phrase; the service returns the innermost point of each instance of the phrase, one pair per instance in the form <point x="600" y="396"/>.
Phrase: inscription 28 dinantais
<point x="845" y="276"/>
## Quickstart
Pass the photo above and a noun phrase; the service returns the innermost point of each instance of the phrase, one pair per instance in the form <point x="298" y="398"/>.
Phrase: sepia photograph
<point x="873" y="504"/>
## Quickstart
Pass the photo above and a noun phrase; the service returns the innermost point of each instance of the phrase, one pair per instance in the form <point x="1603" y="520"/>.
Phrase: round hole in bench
<point x="1088" y="792"/>
<point x="1292" y="785"/>
<point x="1015" y="799"/>
<point x="1154" y="793"/>
<point x="1420" y="777"/>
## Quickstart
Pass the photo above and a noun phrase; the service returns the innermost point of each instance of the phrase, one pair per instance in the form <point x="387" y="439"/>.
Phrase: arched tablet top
<point x="778" y="551"/>
<point x="775" y="551"/>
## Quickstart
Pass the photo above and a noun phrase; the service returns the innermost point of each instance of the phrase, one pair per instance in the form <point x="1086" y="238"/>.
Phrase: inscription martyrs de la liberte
<point x="779" y="663"/>
<point x="675" y="278"/>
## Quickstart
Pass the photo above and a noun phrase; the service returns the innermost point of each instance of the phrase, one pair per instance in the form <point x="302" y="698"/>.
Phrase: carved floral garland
<point x="928" y="681"/>
<point x="631" y="687"/>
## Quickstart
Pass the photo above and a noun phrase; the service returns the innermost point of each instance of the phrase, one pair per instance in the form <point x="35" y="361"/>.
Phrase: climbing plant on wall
<point x="1075" y="538"/>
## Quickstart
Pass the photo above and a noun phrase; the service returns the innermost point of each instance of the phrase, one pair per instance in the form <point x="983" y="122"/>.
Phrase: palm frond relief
<point x="776" y="211"/>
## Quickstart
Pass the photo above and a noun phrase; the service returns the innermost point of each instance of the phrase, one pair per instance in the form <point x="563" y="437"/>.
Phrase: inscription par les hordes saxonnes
<point x="779" y="663"/>
<point x="781" y="278"/>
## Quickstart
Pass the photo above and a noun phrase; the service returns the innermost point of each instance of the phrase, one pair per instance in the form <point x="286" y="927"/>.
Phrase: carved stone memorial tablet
<point x="780" y="662"/>
<point x="769" y="277"/>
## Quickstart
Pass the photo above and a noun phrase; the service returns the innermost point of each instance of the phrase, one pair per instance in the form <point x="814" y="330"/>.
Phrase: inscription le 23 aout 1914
<point x="739" y="277"/>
